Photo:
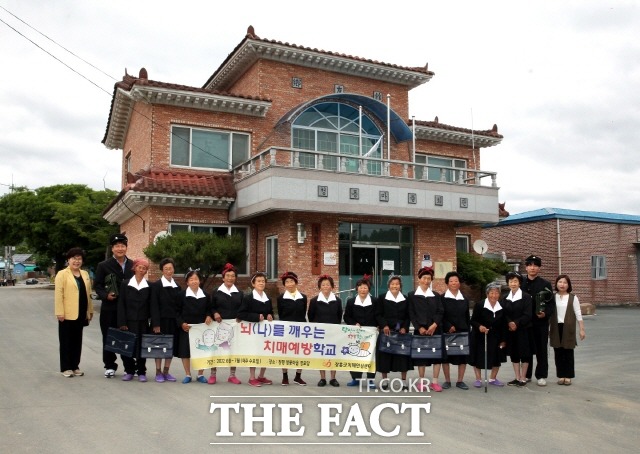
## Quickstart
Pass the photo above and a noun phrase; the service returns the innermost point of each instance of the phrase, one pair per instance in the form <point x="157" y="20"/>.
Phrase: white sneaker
<point x="542" y="382"/>
<point x="109" y="373"/>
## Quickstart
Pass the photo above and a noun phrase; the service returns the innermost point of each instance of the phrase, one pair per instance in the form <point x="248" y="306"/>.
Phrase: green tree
<point x="53" y="219"/>
<point x="478" y="271"/>
<point x="198" y="250"/>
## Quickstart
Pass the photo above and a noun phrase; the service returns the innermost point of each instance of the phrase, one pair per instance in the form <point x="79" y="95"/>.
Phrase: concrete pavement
<point x="41" y="411"/>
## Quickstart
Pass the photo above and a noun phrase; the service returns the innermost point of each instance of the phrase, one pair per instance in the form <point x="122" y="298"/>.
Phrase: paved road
<point x="41" y="411"/>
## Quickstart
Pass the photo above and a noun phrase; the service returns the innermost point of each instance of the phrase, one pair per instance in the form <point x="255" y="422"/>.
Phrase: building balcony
<point x="286" y="179"/>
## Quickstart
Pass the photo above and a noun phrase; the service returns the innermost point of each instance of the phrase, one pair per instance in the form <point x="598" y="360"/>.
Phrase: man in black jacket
<point x="109" y="275"/>
<point x="544" y="305"/>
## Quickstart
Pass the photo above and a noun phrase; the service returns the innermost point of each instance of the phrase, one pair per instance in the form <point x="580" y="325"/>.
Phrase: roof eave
<point x="119" y="120"/>
<point x="124" y="102"/>
<point x="133" y="202"/>
<point x="199" y="100"/>
<point x="251" y="51"/>
<point x="456" y="137"/>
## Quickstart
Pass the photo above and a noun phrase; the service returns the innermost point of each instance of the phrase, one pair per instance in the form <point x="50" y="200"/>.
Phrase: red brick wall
<point x="138" y="141"/>
<point x="150" y="145"/>
<point x="138" y="233"/>
<point x="474" y="232"/>
<point x="579" y="240"/>
<point x="436" y="238"/>
<point x="274" y="82"/>
<point x="166" y="116"/>
<point x="433" y="237"/>
<point x="271" y="80"/>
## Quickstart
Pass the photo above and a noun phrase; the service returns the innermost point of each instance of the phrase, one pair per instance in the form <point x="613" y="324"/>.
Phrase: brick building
<point x="599" y="251"/>
<point x="310" y="155"/>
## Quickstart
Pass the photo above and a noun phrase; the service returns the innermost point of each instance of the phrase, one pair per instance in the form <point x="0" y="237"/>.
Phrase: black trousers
<point x="108" y="319"/>
<point x="70" y="336"/>
<point x="540" y="333"/>
<point x="135" y="364"/>
<point x="565" y="365"/>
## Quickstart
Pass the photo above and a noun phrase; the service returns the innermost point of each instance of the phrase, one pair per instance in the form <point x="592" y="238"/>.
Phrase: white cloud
<point x="560" y="79"/>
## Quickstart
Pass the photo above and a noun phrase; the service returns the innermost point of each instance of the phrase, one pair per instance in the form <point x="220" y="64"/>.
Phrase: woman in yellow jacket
<point x="73" y="309"/>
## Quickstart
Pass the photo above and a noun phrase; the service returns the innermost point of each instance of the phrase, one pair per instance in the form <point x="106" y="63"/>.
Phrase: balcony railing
<point x="335" y="162"/>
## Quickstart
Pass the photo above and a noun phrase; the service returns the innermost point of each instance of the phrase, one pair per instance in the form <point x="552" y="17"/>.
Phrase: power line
<point x="58" y="44"/>
<point x="153" y="122"/>
<point x="56" y="58"/>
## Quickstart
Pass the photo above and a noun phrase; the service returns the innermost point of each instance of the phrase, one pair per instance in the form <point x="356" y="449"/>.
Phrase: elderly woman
<point x="563" y="329"/>
<point x="456" y="319"/>
<point x="292" y="307"/>
<point x="361" y="311"/>
<point x="326" y="307"/>
<point x="226" y="303"/>
<point x="163" y="313"/>
<point x="393" y="316"/>
<point x="517" y="311"/>
<point x="193" y="306"/>
<point x="73" y="309"/>
<point x="256" y="307"/>
<point x="488" y="323"/>
<point x="425" y="312"/>
<point x="133" y="315"/>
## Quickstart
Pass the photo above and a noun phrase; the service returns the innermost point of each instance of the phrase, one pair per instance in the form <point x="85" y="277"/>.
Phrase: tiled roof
<point x="251" y="36"/>
<point x="21" y="258"/>
<point x="436" y="124"/>
<point x="215" y="185"/>
<point x="128" y="81"/>
<point x="576" y="215"/>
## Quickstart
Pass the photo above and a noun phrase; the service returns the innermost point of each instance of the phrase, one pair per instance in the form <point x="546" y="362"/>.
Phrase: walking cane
<point x="485" y="360"/>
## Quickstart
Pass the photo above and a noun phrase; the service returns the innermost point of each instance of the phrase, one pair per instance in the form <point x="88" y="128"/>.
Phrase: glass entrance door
<point x="379" y="262"/>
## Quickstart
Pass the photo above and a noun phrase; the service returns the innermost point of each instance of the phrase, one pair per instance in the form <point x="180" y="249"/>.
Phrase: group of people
<point x="521" y="322"/>
<point x="511" y="324"/>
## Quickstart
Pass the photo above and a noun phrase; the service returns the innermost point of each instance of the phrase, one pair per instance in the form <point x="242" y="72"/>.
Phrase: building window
<point x="127" y="163"/>
<point x="598" y="267"/>
<point x="442" y="173"/>
<point x="272" y="257"/>
<point x="220" y="230"/>
<point x="208" y="149"/>
<point x="462" y="243"/>
<point x="330" y="127"/>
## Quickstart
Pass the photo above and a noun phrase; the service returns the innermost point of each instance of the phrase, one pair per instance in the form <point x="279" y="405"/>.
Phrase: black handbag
<point x="395" y="343"/>
<point x="122" y="342"/>
<point x="156" y="346"/>
<point x="429" y="347"/>
<point x="456" y="344"/>
<point x="111" y="284"/>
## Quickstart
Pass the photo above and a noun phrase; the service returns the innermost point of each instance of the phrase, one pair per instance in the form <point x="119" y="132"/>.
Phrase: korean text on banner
<point x="280" y="344"/>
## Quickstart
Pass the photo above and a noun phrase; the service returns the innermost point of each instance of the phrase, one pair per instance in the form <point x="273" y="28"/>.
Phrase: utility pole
<point x="9" y="261"/>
